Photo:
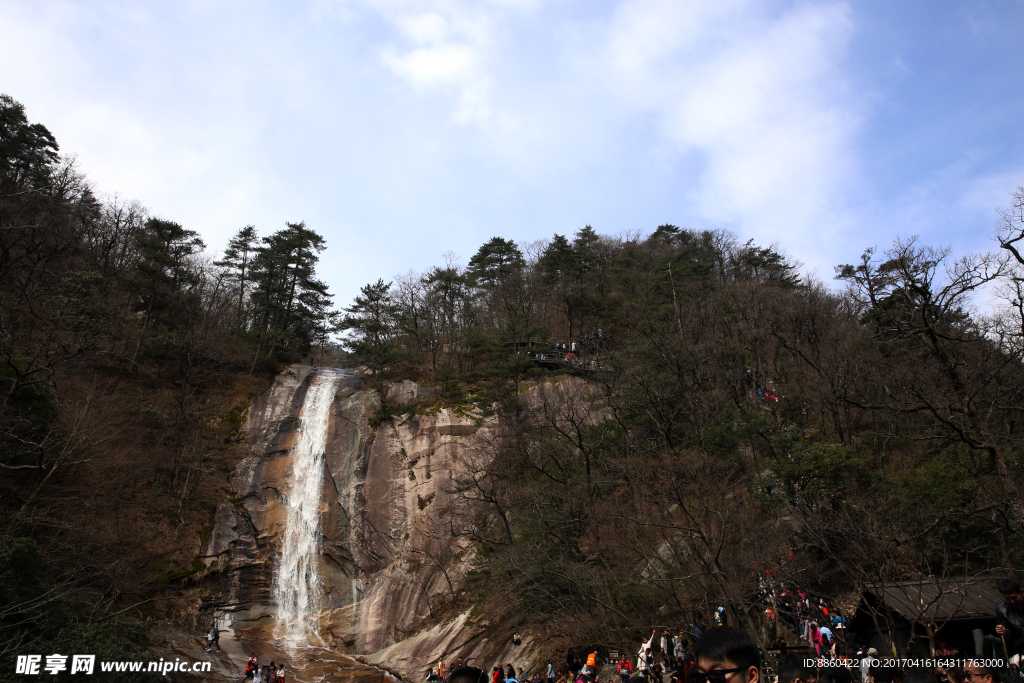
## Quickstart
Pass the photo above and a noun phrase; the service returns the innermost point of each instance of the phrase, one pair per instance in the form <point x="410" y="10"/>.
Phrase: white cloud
<point x="448" y="46"/>
<point x="425" y="27"/>
<point x="759" y="97"/>
<point x="428" y="67"/>
<point x="468" y="118"/>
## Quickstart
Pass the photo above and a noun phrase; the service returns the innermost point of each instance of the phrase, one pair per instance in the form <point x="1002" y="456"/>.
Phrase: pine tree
<point x="572" y="270"/>
<point x="28" y="152"/>
<point x="372" y="323"/>
<point x="237" y="261"/>
<point x="164" y="275"/>
<point x="290" y="302"/>
<point x="494" y="261"/>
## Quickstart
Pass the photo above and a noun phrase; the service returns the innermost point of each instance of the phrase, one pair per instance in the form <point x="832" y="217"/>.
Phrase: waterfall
<point x="298" y="589"/>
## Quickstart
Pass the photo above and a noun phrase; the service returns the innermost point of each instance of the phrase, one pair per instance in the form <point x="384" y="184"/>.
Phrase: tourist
<point x="550" y="672"/>
<point x="918" y="676"/>
<point x="591" y="667"/>
<point x="645" y="661"/>
<point x="865" y="664"/>
<point x="654" y="643"/>
<point x="679" y="651"/>
<point x="667" y="645"/>
<point x="572" y="660"/>
<point x="826" y="632"/>
<point x="1010" y="622"/>
<point x="624" y="669"/>
<point x="877" y="673"/>
<point x="955" y="675"/>
<point x="250" y="667"/>
<point x="793" y="669"/>
<point x="726" y="655"/>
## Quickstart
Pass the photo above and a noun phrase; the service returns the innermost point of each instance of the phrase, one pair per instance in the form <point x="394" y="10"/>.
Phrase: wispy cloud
<point x="758" y="95"/>
<point x="447" y="46"/>
<point x="435" y="124"/>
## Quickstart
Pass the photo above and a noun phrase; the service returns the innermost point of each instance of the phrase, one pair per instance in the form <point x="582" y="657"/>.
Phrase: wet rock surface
<point x="310" y="664"/>
<point x="382" y="557"/>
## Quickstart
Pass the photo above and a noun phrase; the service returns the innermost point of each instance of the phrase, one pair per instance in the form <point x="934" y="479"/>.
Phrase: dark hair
<point x="881" y="674"/>
<point x="841" y="674"/>
<point x="918" y="676"/>
<point x="728" y="643"/>
<point x="792" y="667"/>
<point x="1008" y="586"/>
<point x="980" y="666"/>
<point x="467" y="674"/>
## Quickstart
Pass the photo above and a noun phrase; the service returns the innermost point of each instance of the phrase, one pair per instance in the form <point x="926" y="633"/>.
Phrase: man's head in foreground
<point x="975" y="672"/>
<point x="726" y="655"/>
<point x="793" y="669"/>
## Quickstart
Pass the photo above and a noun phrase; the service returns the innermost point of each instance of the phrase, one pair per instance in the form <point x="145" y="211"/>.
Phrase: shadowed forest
<point x="737" y="425"/>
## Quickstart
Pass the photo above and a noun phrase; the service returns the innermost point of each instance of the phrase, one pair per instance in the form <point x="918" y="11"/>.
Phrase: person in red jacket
<point x="625" y="669"/>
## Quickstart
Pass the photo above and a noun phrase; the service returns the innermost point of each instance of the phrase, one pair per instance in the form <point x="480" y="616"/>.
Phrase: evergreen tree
<point x="291" y="303"/>
<point x="498" y="271"/>
<point x="494" y="261"/>
<point x="237" y="261"/>
<point x="164" y="275"/>
<point x="28" y="152"/>
<point x="764" y="264"/>
<point x="573" y="269"/>
<point x="447" y="310"/>
<point x="372" y="323"/>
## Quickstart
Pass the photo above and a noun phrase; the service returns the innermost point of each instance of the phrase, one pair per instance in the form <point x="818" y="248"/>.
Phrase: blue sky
<point x="405" y="129"/>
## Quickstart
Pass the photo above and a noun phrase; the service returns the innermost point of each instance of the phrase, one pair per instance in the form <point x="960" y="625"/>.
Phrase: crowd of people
<point x="829" y="652"/>
<point x="816" y="623"/>
<point x="571" y="354"/>
<point x="267" y="673"/>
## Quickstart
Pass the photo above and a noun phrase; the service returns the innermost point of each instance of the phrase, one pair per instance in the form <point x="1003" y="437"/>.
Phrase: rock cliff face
<point x="383" y="555"/>
<point x="379" y="560"/>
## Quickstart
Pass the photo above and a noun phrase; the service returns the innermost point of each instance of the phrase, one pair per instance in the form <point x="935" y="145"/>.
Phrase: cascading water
<point x="298" y="589"/>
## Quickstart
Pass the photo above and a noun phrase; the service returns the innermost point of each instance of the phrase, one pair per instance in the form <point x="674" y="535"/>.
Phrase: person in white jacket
<point x="648" y="644"/>
<point x="865" y="664"/>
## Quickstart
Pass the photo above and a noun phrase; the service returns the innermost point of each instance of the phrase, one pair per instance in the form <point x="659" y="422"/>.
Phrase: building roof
<point x="938" y="600"/>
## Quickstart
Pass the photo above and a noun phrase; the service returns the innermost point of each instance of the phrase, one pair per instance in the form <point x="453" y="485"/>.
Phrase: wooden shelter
<point x="931" y="616"/>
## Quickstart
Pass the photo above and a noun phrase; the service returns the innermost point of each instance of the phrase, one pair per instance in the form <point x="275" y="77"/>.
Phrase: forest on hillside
<point x="127" y="359"/>
<point x="734" y="423"/>
<point x="739" y="427"/>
